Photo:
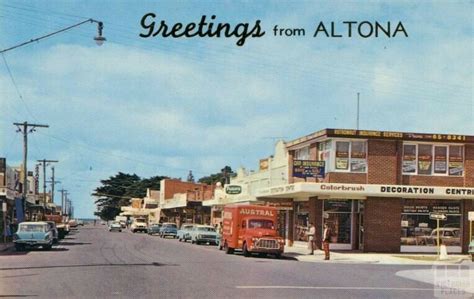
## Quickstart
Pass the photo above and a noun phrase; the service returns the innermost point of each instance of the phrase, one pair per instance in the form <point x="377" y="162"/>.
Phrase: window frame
<point x="332" y="156"/>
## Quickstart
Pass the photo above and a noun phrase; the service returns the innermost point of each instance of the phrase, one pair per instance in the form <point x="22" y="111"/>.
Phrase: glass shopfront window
<point x="419" y="230"/>
<point x="337" y="214"/>
<point x="301" y="221"/>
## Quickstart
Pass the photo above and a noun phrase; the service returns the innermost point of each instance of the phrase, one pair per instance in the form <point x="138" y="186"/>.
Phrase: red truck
<point x="252" y="229"/>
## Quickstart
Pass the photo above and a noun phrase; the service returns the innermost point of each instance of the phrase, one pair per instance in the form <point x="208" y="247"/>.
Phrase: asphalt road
<point x="94" y="263"/>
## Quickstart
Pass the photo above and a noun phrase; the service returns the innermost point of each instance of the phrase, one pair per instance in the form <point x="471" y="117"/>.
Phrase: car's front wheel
<point x="19" y="247"/>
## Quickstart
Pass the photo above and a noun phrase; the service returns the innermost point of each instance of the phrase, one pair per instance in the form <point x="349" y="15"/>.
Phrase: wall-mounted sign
<point x="263" y="164"/>
<point x="308" y="169"/>
<point x="437" y="216"/>
<point x="233" y="189"/>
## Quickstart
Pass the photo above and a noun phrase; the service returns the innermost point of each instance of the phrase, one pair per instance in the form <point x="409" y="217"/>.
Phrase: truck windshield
<point x="259" y="223"/>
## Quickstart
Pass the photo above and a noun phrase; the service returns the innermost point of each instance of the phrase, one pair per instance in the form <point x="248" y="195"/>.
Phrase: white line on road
<point x="334" y="288"/>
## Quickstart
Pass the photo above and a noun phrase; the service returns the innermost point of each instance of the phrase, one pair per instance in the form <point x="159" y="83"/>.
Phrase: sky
<point x="164" y="106"/>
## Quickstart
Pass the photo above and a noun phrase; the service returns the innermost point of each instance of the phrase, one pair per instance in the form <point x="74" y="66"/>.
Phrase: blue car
<point x="33" y="234"/>
<point x="169" y="230"/>
<point x="184" y="232"/>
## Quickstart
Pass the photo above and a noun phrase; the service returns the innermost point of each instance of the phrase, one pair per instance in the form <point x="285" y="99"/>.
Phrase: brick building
<point x="380" y="188"/>
<point x="181" y="202"/>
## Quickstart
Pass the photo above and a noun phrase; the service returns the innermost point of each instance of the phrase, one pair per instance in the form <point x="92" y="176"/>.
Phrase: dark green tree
<point x="117" y="191"/>
<point x="223" y="176"/>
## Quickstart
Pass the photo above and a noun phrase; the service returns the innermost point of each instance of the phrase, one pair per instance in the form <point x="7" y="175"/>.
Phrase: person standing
<point x="326" y="239"/>
<point x="311" y="238"/>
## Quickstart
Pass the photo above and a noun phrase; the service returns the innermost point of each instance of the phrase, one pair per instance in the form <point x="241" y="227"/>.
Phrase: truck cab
<point x="252" y="229"/>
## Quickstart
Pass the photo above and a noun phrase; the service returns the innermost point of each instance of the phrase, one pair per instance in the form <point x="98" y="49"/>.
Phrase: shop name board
<point x="425" y="190"/>
<point x="308" y="169"/>
<point x="233" y="189"/>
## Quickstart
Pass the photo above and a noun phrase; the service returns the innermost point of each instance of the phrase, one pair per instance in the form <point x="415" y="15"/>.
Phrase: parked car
<point x="184" y="232"/>
<point x="33" y="234"/>
<point x="72" y="223"/>
<point x="123" y="223"/>
<point x="154" y="229"/>
<point x="80" y="222"/>
<point x="115" y="226"/>
<point x="449" y="236"/>
<point x="169" y="230"/>
<point x="139" y="225"/>
<point x="204" y="234"/>
<point x="54" y="230"/>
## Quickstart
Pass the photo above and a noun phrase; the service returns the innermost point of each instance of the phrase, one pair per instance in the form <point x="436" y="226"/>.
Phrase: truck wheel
<point x="245" y="250"/>
<point x="278" y="255"/>
<point x="227" y="249"/>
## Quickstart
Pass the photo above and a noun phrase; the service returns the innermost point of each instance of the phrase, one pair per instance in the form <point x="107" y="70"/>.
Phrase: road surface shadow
<point x="154" y="264"/>
<point x="73" y="243"/>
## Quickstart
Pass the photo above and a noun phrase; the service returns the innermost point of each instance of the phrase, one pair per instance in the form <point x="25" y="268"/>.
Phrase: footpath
<point x="301" y="253"/>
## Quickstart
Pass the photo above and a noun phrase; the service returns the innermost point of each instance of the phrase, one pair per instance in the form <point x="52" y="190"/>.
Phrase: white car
<point x="204" y="234"/>
<point x="115" y="226"/>
<point x="139" y="225"/>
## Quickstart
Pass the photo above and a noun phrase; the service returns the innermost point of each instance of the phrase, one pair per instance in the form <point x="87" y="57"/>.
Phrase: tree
<point x="117" y="191"/>
<point x="223" y="177"/>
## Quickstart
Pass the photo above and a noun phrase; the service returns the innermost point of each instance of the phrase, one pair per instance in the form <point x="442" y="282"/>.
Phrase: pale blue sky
<point x="163" y="106"/>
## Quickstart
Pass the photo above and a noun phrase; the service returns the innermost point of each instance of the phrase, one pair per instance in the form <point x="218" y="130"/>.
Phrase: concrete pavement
<point x="301" y="253"/>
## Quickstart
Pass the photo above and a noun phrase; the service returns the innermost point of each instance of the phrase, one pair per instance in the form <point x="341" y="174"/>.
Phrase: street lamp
<point x="99" y="39"/>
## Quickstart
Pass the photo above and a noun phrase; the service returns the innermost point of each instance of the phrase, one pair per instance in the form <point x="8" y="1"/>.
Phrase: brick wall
<point x="469" y="165"/>
<point x="431" y="180"/>
<point x="382" y="224"/>
<point x="176" y="186"/>
<point x="345" y="177"/>
<point x="382" y="162"/>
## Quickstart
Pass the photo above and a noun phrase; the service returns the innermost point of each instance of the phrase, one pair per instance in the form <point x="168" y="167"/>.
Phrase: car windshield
<point x="187" y="227"/>
<point x="140" y="220"/>
<point x="32" y="228"/>
<point x="206" y="229"/>
<point x="259" y="223"/>
<point x="170" y="225"/>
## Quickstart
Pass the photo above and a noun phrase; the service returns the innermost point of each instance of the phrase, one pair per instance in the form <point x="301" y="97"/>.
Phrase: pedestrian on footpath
<point x="311" y="238"/>
<point x="326" y="239"/>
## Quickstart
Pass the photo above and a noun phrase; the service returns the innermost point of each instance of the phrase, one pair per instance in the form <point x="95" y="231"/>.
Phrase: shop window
<point x="430" y="159"/>
<point x="301" y="221"/>
<point x="456" y="159"/>
<point x="302" y="154"/>
<point x="425" y="158"/>
<point x="409" y="158"/>
<point x="337" y="214"/>
<point x="419" y="230"/>
<point x="342" y="155"/>
<point x="351" y="156"/>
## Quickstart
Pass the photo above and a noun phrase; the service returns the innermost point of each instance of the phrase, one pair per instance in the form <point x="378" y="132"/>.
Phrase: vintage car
<point x="33" y="234"/>
<point x="54" y="229"/>
<point x="154" y="229"/>
<point x="139" y="225"/>
<point x="168" y="230"/>
<point x="184" y="232"/>
<point x="449" y="236"/>
<point x="204" y="234"/>
<point x="115" y="226"/>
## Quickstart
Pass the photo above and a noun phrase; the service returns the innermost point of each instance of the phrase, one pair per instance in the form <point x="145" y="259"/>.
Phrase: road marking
<point x="335" y="288"/>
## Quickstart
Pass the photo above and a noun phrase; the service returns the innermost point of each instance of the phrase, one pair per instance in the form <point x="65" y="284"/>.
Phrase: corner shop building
<point x="380" y="188"/>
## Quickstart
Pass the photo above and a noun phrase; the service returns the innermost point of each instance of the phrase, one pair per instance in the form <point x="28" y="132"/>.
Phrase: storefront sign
<point x="437" y="216"/>
<point x="367" y="190"/>
<point x="233" y="189"/>
<point x="286" y="206"/>
<point x="399" y="135"/>
<point x="308" y="169"/>
<point x="470" y="216"/>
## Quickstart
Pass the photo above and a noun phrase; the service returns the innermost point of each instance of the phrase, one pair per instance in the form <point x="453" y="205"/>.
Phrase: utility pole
<point x="53" y="183"/>
<point x="63" y="195"/>
<point x="44" y="161"/>
<point x="23" y="128"/>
